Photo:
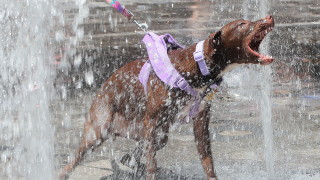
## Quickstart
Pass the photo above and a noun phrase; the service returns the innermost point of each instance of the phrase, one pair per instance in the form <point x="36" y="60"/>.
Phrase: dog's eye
<point x="241" y="24"/>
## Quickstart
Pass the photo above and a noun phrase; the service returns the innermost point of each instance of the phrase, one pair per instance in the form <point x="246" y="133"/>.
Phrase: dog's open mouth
<point x="258" y="36"/>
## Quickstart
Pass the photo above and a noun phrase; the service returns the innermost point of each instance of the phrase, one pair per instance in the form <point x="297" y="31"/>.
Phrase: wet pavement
<point x="236" y="126"/>
<point x="236" y="131"/>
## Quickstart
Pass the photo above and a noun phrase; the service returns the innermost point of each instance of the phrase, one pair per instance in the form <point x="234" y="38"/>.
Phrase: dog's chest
<point x="228" y="68"/>
<point x="183" y="109"/>
<point x="183" y="106"/>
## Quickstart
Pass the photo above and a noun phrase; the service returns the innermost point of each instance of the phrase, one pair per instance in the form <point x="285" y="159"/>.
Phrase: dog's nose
<point x="269" y="17"/>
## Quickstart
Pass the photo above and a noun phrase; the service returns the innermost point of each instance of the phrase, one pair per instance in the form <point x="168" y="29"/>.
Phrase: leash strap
<point x="199" y="58"/>
<point x="115" y="4"/>
<point x="128" y="14"/>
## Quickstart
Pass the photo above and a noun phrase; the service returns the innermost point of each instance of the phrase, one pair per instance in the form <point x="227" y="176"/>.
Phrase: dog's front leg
<point x="202" y="138"/>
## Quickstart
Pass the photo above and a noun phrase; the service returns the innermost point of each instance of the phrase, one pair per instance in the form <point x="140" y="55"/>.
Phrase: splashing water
<point x="257" y="80"/>
<point x="29" y="33"/>
<point x="265" y="101"/>
<point x="26" y="134"/>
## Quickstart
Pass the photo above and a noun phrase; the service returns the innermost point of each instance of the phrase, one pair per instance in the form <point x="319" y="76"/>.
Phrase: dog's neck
<point x="184" y="62"/>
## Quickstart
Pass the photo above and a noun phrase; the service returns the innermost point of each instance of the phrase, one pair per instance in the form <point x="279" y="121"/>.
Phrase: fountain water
<point x="258" y="83"/>
<point x="29" y="33"/>
<point x="26" y="135"/>
<point x="265" y="101"/>
<point x="26" y="76"/>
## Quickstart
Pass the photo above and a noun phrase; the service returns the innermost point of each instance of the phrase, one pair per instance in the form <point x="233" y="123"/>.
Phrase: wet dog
<point x="121" y="107"/>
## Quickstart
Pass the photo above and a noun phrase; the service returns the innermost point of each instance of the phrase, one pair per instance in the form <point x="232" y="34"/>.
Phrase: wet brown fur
<point x="121" y="107"/>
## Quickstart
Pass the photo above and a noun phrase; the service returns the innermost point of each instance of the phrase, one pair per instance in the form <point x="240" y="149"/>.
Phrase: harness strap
<point x="144" y="75"/>
<point x="194" y="110"/>
<point x="160" y="61"/>
<point x="199" y="58"/>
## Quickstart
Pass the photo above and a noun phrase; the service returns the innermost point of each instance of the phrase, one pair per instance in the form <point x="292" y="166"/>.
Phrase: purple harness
<point x="159" y="61"/>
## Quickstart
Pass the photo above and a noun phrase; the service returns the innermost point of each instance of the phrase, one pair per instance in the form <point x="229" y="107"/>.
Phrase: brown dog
<point x="121" y="107"/>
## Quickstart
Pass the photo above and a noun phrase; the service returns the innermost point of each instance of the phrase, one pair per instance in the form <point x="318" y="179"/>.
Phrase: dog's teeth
<point x="269" y="57"/>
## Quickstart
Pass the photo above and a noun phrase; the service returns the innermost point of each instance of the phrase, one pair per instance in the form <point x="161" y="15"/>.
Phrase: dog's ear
<point x="214" y="42"/>
<point x="216" y="38"/>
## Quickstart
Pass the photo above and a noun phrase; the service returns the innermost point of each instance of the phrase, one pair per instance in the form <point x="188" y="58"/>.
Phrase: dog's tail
<point x="91" y="139"/>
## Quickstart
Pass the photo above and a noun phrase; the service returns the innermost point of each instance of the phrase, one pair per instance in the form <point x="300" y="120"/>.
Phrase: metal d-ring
<point x="143" y="26"/>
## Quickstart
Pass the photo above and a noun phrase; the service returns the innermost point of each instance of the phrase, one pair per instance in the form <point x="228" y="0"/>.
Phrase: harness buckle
<point x="182" y="83"/>
<point x="143" y="26"/>
<point x="198" y="56"/>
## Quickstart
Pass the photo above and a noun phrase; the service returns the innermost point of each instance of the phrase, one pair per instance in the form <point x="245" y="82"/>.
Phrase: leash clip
<point x="142" y="26"/>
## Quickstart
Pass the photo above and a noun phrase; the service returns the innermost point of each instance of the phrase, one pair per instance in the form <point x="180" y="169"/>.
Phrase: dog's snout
<point x="269" y="17"/>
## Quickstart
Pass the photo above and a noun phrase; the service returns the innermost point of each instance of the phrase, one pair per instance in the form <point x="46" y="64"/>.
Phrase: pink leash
<point x="128" y="14"/>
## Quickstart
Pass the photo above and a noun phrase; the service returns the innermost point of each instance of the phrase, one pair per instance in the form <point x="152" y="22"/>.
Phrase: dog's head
<point x="239" y="41"/>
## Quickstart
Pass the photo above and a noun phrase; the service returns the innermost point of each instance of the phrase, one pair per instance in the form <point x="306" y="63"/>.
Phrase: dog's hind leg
<point x="133" y="159"/>
<point x="150" y="148"/>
